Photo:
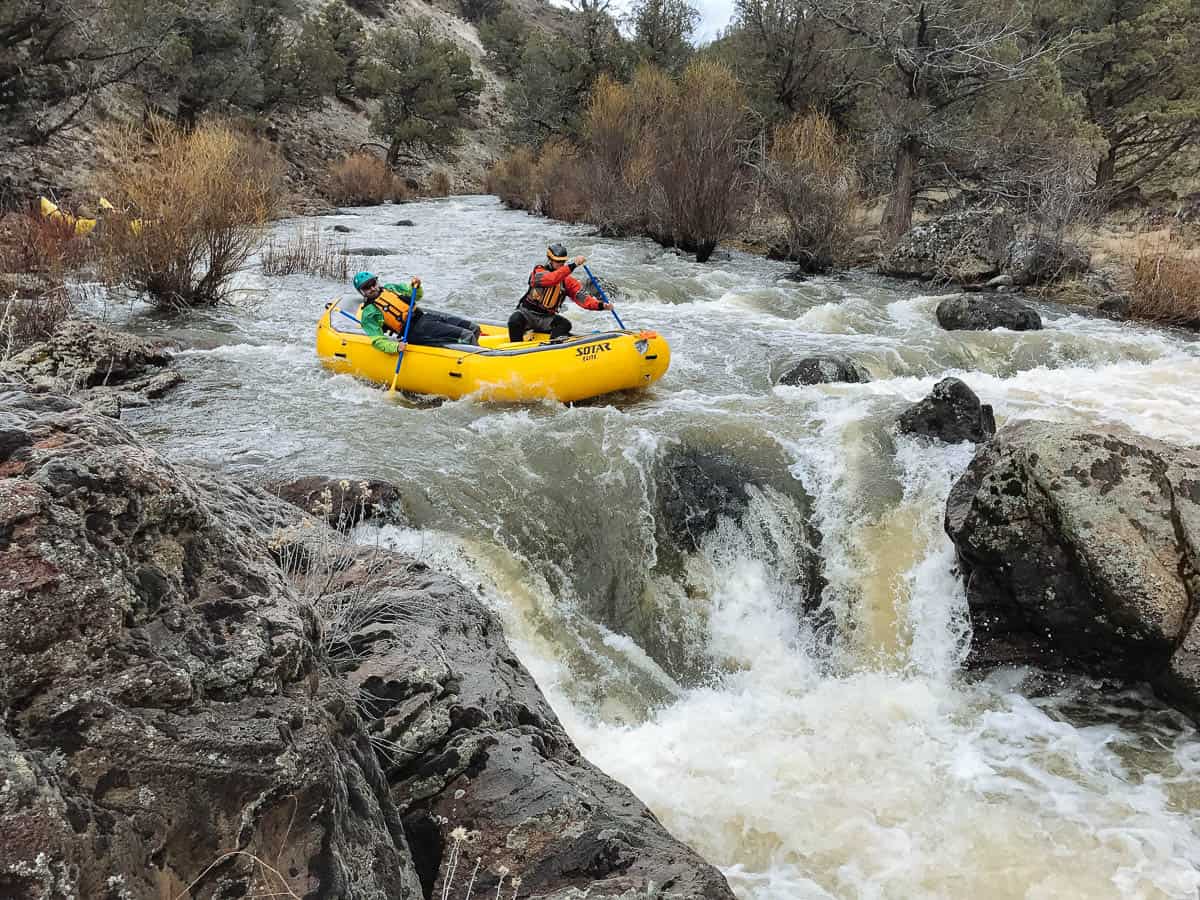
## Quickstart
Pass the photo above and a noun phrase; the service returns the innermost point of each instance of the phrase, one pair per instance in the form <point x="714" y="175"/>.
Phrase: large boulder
<point x="825" y="368"/>
<point x="951" y="413"/>
<point x="166" y="720"/>
<point x="698" y="486"/>
<point x="1080" y="550"/>
<point x="1038" y="259"/>
<point x="181" y="714"/>
<point x="966" y="247"/>
<point x="983" y="312"/>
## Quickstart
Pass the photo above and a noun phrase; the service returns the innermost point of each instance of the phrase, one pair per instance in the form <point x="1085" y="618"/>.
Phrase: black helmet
<point x="557" y="253"/>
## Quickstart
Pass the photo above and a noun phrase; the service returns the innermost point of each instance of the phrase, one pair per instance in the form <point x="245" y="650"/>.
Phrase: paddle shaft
<point x="412" y="308"/>
<point x="603" y="296"/>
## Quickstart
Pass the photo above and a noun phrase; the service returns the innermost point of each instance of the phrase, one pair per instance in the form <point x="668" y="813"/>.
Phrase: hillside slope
<point x="308" y="139"/>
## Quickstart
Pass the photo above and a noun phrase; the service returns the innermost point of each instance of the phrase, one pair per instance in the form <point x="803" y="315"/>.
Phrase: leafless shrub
<point x="511" y="179"/>
<point x="809" y="174"/>
<point x="33" y="244"/>
<point x="698" y="167"/>
<point x="192" y="209"/>
<point x="439" y="184"/>
<point x="662" y="159"/>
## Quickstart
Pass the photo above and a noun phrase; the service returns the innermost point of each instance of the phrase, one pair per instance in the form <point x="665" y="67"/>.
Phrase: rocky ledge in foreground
<point x="1080" y="550"/>
<point x="105" y="370"/>
<point x="182" y="716"/>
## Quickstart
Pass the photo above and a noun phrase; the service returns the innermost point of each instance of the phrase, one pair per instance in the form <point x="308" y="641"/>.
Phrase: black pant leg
<point x="560" y="326"/>
<point x="432" y="329"/>
<point x="516" y="326"/>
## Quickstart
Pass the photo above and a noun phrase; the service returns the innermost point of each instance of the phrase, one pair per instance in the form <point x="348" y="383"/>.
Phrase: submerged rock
<point x="976" y="312"/>
<point x="825" y="369"/>
<point x="951" y="413"/>
<point x="342" y="229"/>
<point x="965" y="247"/>
<point x="404" y="223"/>
<point x="1080" y="550"/>
<point x="178" y="709"/>
<point x="368" y="251"/>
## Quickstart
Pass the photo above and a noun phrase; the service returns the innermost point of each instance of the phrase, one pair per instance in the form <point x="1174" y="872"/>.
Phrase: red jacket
<point x="546" y="290"/>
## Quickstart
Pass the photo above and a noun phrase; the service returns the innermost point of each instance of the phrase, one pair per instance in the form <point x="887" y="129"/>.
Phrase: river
<point x="857" y="759"/>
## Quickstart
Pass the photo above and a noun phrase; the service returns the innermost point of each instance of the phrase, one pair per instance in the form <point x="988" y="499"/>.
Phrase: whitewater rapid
<point x="845" y="755"/>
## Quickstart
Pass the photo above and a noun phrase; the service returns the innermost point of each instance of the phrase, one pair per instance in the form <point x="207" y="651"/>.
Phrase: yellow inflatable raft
<point x="578" y="368"/>
<point x="81" y="226"/>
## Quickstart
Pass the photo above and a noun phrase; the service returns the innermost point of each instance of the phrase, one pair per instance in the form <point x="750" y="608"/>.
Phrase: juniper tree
<point x="932" y="61"/>
<point x="424" y="86"/>
<point x="1139" y="79"/>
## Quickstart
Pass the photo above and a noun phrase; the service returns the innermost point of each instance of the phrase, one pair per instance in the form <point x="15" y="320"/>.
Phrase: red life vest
<point x="544" y="299"/>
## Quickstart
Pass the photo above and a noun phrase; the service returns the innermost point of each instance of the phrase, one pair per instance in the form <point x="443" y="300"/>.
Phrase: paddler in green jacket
<point x="385" y="308"/>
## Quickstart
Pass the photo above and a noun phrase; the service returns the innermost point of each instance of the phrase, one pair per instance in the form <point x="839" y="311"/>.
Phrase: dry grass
<point x="511" y="179"/>
<point x="308" y="251"/>
<point x="1166" y="287"/>
<point x="363" y="180"/>
<point x="27" y="320"/>
<point x="439" y="184"/>
<point x="202" y="198"/>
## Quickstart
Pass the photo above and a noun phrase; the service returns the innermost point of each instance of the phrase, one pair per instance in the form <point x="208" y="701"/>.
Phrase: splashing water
<point x="842" y="754"/>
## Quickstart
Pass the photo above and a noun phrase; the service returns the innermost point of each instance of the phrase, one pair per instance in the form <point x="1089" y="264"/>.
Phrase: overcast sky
<point x="714" y="15"/>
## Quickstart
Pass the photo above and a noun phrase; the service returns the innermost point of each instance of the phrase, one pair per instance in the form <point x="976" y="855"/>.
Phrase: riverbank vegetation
<point x="190" y="209"/>
<point x="362" y="179"/>
<point x="1055" y="112"/>
<point x="1166" y="286"/>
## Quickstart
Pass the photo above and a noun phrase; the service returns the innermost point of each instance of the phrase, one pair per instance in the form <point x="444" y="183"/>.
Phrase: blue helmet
<point x="363" y="278"/>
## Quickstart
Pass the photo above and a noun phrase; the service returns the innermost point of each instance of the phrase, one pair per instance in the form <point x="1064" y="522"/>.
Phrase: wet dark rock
<point x="342" y="502"/>
<point x="1079" y="549"/>
<point x="342" y="229"/>
<point x="404" y="223"/>
<point x="1038" y="259"/>
<point x="976" y="312"/>
<point x="965" y="247"/>
<point x="96" y="364"/>
<point x="164" y="699"/>
<point x="171" y="694"/>
<point x="1116" y="305"/>
<point x="698" y="485"/>
<point x="826" y="369"/>
<point x="368" y="251"/>
<point x="470" y="741"/>
<point x="951" y="413"/>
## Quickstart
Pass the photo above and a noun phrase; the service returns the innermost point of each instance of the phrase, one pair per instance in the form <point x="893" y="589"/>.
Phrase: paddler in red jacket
<point x="549" y="284"/>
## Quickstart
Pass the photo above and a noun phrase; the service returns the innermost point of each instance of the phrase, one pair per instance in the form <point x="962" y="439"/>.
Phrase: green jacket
<point x="372" y="318"/>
